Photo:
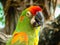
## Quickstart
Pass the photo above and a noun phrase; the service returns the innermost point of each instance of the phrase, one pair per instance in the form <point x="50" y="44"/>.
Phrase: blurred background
<point x="10" y="11"/>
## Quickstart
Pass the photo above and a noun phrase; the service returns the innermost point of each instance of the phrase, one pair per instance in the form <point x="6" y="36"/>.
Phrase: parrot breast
<point x="21" y="36"/>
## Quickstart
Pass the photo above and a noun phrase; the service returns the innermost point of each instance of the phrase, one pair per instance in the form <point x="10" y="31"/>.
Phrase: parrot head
<point x="30" y="17"/>
<point x="35" y="15"/>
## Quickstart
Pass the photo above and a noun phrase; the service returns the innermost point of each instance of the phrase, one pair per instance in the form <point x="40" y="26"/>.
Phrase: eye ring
<point x="28" y="14"/>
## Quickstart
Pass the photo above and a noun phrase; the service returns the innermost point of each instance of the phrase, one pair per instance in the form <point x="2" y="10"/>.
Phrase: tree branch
<point x="4" y="37"/>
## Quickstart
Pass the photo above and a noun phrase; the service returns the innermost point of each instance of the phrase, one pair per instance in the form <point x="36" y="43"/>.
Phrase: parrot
<point x="28" y="27"/>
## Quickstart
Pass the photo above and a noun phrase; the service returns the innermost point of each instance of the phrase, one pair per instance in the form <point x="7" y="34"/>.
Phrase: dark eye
<point x="28" y="14"/>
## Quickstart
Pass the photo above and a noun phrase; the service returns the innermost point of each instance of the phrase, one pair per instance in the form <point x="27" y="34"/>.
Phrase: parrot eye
<point x="28" y="14"/>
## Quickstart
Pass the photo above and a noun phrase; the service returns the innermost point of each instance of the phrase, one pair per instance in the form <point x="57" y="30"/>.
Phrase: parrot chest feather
<point x="21" y="36"/>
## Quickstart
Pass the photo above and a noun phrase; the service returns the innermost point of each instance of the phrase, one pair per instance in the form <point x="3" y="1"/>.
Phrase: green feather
<point x="26" y="27"/>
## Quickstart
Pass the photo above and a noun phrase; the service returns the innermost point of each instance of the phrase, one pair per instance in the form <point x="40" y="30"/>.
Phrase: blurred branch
<point x="47" y="7"/>
<point x="4" y="37"/>
<point x="7" y="6"/>
<point x="54" y="4"/>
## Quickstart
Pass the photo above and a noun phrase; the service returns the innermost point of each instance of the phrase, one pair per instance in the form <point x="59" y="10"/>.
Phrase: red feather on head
<point x="34" y="9"/>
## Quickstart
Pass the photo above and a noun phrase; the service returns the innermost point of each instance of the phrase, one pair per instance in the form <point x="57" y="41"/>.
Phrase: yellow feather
<point x="37" y="35"/>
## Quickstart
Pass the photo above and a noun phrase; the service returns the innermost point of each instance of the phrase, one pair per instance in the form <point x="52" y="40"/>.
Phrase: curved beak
<point x="37" y="20"/>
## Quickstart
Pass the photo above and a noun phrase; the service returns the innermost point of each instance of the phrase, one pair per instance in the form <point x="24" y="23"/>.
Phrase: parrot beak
<point x="37" y="20"/>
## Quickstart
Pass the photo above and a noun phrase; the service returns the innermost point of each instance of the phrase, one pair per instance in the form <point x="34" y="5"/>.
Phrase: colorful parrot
<point x="28" y="27"/>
